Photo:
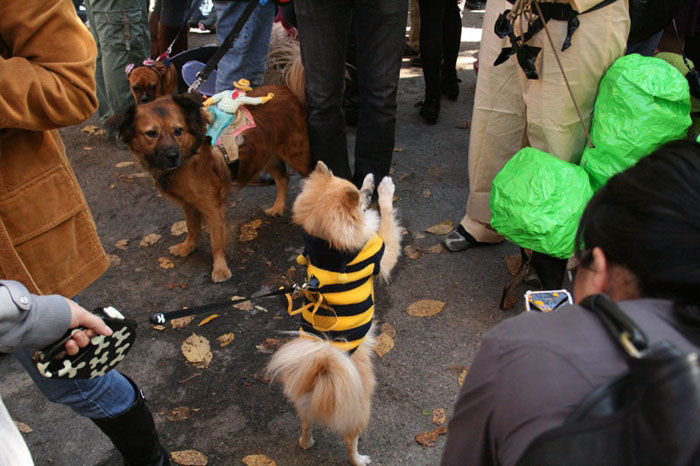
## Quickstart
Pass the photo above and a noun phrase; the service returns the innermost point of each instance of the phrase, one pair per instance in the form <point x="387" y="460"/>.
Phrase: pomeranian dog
<point x="327" y="372"/>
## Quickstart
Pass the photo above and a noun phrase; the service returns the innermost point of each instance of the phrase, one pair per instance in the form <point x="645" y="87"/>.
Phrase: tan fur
<point x="325" y="384"/>
<point x="197" y="179"/>
<point x="147" y="83"/>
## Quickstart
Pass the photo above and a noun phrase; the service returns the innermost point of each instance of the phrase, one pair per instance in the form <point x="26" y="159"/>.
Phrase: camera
<point x="547" y="300"/>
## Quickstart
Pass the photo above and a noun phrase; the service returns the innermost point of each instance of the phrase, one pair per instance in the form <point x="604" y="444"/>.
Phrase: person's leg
<point x="171" y="22"/>
<point x="431" y="41"/>
<point x="381" y="26"/>
<point x="247" y="58"/>
<point x="121" y="28"/>
<point x="451" y="40"/>
<point x="413" y="41"/>
<point x="323" y="29"/>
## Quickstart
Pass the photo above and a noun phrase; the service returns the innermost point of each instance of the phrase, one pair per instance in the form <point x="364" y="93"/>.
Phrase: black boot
<point x="550" y="270"/>
<point x="430" y="109"/>
<point x="134" y="434"/>
<point x="449" y="83"/>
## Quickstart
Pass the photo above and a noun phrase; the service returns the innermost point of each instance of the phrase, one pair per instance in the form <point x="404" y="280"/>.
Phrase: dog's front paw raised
<point x="183" y="249"/>
<point x="385" y="192"/>
<point x="368" y="183"/>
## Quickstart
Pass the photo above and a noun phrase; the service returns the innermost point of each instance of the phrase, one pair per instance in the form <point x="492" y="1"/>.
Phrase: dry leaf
<point x="439" y="416"/>
<point x="149" y="240"/>
<point x="124" y="164"/>
<point x="513" y="263"/>
<point x="249" y="231"/>
<point x="172" y="286"/>
<point x="122" y="244"/>
<point x="24" y="428"/>
<point x="225" y="339"/>
<point x="269" y="345"/>
<point x="436" y="249"/>
<point x="181" y="322"/>
<point x="462" y="376"/>
<point x="464" y="125"/>
<point x="411" y="251"/>
<point x="178" y="228"/>
<point x="140" y="175"/>
<point x="398" y="149"/>
<point x="189" y="458"/>
<point x="383" y="344"/>
<point x="403" y="176"/>
<point x="197" y="351"/>
<point x="87" y="148"/>
<point x="160" y="328"/>
<point x="417" y="235"/>
<point x="441" y="228"/>
<point x="114" y="260"/>
<point x="291" y="273"/>
<point x="425" y="308"/>
<point x="165" y="263"/>
<point x="180" y="413"/>
<point x="90" y="129"/>
<point x="388" y="329"/>
<point x="395" y="198"/>
<point x="244" y="306"/>
<point x="100" y="131"/>
<point x="206" y="320"/>
<point x="428" y="439"/>
<point x="260" y="308"/>
<point x="426" y="193"/>
<point x="258" y="460"/>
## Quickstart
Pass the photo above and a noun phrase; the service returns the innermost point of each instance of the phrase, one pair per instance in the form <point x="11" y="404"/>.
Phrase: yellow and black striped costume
<point x="340" y="305"/>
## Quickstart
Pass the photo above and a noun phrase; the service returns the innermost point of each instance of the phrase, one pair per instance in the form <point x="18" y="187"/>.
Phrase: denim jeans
<point x="104" y="397"/>
<point x="120" y="29"/>
<point x="323" y="29"/>
<point x="247" y="57"/>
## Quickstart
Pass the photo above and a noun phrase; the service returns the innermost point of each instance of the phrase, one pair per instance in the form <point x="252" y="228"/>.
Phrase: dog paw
<point x="183" y="249"/>
<point x="368" y="183"/>
<point x="221" y="274"/>
<point x="361" y="460"/>
<point x="274" y="211"/>
<point x="306" y="444"/>
<point x="385" y="192"/>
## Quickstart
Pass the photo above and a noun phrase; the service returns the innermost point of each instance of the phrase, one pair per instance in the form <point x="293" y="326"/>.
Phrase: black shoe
<point x="134" y="434"/>
<point x="475" y="4"/>
<point x="430" y="109"/>
<point x="550" y="270"/>
<point x="449" y="84"/>
<point x="459" y="240"/>
<point x="416" y="61"/>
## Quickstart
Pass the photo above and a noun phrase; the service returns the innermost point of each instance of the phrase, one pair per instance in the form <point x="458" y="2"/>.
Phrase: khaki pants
<point x="511" y="111"/>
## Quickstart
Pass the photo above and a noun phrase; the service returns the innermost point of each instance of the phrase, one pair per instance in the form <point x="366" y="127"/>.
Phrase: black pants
<point x="440" y="33"/>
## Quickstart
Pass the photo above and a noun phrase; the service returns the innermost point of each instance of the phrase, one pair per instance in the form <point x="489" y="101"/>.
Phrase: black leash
<point x="204" y="73"/>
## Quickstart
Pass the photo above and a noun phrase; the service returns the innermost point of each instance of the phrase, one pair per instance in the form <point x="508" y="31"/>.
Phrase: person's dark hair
<point x="647" y="219"/>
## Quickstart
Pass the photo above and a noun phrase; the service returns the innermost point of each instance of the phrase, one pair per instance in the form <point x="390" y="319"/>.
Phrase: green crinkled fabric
<point x="642" y="103"/>
<point x="537" y="201"/>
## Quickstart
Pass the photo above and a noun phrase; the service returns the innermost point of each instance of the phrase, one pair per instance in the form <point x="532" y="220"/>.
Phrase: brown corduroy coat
<point x="48" y="238"/>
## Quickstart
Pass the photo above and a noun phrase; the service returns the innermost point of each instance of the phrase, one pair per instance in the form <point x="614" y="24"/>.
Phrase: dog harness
<point x="339" y="303"/>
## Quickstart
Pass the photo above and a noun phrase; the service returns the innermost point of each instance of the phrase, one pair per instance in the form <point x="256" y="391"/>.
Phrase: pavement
<point x="233" y="413"/>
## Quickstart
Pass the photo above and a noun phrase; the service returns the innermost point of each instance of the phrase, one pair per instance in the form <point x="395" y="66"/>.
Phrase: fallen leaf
<point x="441" y="228"/>
<point x="225" y="339"/>
<point x="114" y="260"/>
<point x="513" y="263"/>
<point x="149" y="240"/>
<point x="206" y="320"/>
<point x="249" y="231"/>
<point x="244" y="306"/>
<point x="193" y="376"/>
<point x="398" y="149"/>
<point x="425" y="308"/>
<point x="262" y="377"/>
<point x="172" y="286"/>
<point x="178" y="228"/>
<point x="462" y="376"/>
<point x="411" y="251"/>
<point x="383" y="344"/>
<point x="439" y="416"/>
<point x="160" y="328"/>
<point x="90" y="129"/>
<point x="426" y="193"/>
<point x="395" y="198"/>
<point x="189" y="458"/>
<point x="87" y="148"/>
<point x="428" y="439"/>
<point x="122" y="244"/>
<point x="140" y="175"/>
<point x="24" y="428"/>
<point x="260" y="308"/>
<point x="258" y="460"/>
<point x="388" y="329"/>
<point x="436" y="171"/>
<point x="464" y="125"/>
<point x="403" y="176"/>
<point x="124" y="164"/>
<point x="100" y="131"/>
<point x="165" y="263"/>
<point x="417" y="235"/>
<point x="180" y="413"/>
<point x="269" y="345"/>
<point x="181" y="322"/>
<point x="197" y="351"/>
<point x="436" y="249"/>
<point x="291" y="273"/>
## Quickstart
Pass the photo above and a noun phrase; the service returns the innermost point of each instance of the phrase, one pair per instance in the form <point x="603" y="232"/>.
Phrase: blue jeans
<point x="247" y="57"/>
<point x="104" y="397"/>
<point x="323" y="30"/>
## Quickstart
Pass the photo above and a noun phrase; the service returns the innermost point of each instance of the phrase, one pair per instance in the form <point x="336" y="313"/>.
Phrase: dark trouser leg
<point x="550" y="270"/>
<point x="451" y="40"/>
<point x="381" y="26"/>
<point x="323" y="29"/>
<point x="431" y="45"/>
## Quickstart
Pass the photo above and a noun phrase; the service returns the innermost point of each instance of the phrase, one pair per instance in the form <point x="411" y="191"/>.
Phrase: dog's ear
<point x="351" y="198"/>
<point x="122" y="123"/>
<point x="191" y="106"/>
<point x="322" y="168"/>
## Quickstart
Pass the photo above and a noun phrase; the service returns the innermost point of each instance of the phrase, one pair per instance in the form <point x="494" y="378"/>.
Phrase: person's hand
<point x="81" y="317"/>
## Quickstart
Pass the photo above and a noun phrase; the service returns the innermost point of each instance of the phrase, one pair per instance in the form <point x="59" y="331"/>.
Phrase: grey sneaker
<point x="459" y="240"/>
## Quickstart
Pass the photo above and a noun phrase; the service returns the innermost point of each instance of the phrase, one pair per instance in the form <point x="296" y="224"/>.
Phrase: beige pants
<point x="511" y="111"/>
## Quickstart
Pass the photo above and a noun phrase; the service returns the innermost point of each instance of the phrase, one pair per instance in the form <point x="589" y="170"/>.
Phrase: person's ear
<point x="600" y="278"/>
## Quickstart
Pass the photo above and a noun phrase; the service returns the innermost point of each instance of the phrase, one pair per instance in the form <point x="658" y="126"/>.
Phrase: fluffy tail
<point x="285" y="58"/>
<point x="325" y="384"/>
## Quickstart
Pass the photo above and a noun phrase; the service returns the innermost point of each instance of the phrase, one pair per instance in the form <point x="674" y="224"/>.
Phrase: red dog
<point x="152" y="79"/>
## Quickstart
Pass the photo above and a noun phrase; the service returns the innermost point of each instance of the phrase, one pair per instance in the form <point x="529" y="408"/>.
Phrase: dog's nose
<point x="145" y="98"/>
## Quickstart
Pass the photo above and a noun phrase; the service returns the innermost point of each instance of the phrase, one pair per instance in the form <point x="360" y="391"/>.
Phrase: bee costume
<point x="339" y="303"/>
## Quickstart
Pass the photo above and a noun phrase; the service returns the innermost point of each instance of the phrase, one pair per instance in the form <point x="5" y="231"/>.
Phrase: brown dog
<point x="167" y="138"/>
<point x="151" y="80"/>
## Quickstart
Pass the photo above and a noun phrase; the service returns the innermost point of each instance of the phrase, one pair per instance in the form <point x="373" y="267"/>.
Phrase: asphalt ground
<point x="232" y="412"/>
